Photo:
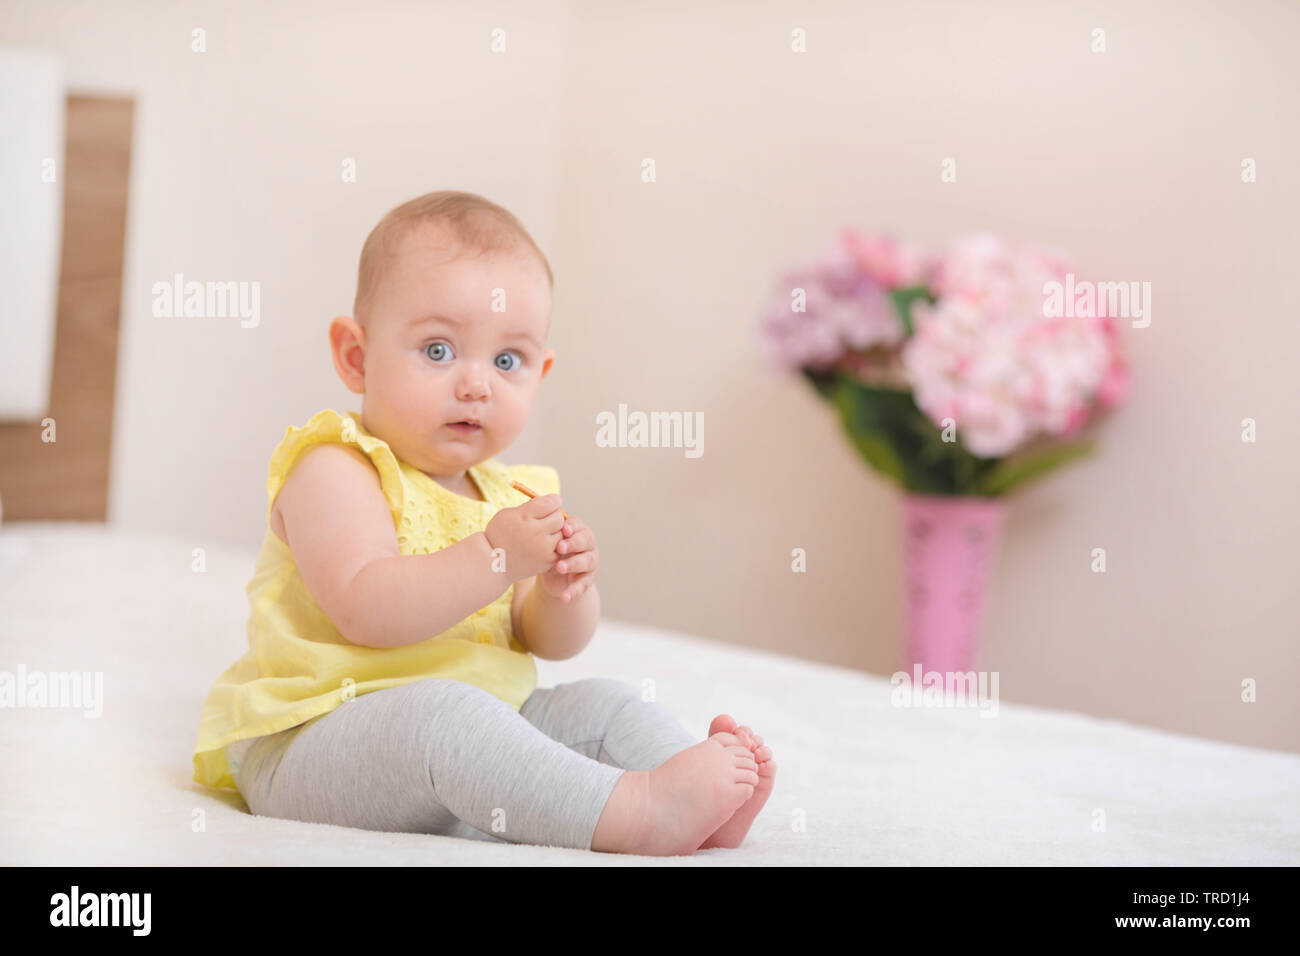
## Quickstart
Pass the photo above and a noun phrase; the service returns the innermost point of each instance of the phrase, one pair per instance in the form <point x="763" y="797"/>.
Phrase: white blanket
<point x="859" y="781"/>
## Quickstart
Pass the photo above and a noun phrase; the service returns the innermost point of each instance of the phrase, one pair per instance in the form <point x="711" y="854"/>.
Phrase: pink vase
<point x="949" y="543"/>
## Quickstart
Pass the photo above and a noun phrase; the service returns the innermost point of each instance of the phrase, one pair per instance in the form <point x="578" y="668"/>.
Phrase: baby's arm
<point x="339" y="527"/>
<point x="553" y="629"/>
<point x="556" y="619"/>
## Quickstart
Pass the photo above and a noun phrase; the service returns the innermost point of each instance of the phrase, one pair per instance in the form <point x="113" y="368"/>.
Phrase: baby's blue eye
<point x="437" y="345"/>
<point x="510" y="368"/>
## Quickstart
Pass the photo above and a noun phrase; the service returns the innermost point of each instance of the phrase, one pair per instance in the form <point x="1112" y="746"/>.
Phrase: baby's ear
<point x="347" y="348"/>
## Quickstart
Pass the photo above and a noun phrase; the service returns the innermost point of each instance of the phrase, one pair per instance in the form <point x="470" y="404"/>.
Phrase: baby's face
<point x="436" y="353"/>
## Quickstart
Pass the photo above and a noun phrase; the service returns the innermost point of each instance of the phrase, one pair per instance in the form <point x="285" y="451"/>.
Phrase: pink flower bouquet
<point x="949" y="373"/>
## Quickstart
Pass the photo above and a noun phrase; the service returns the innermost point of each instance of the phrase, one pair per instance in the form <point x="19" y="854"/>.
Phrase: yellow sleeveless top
<point x="298" y="666"/>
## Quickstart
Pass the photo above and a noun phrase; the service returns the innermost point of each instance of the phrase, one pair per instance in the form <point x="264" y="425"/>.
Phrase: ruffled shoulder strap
<point x="346" y="429"/>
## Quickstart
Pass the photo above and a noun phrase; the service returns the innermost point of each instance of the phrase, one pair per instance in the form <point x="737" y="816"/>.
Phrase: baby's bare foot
<point x="670" y="810"/>
<point x="732" y="833"/>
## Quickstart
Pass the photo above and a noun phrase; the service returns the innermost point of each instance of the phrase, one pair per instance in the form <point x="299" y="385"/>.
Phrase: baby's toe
<point x="728" y="739"/>
<point x="723" y="723"/>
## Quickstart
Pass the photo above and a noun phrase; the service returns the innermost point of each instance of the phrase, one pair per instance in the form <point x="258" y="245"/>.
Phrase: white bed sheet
<point x="870" y="783"/>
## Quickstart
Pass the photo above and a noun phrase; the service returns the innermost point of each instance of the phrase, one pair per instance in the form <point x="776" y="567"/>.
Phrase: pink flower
<point x="983" y="355"/>
<point x="1075" y="420"/>
<point x="890" y="263"/>
<point x="844" y="310"/>
<point x="986" y="351"/>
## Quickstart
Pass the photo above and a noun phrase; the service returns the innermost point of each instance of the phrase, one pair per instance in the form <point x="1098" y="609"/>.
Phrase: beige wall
<point x="1129" y="159"/>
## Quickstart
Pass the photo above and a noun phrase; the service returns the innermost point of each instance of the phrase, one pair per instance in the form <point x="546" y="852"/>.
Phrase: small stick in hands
<point x="521" y="487"/>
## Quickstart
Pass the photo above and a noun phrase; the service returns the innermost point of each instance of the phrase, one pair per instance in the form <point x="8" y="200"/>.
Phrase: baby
<point x="404" y="588"/>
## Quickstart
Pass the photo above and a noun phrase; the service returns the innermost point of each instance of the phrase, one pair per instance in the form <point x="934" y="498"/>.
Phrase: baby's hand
<point x="529" y="534"/>
<point x="576" y="564"/>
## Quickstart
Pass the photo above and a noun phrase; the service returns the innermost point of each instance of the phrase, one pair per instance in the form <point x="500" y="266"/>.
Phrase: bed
<point x="859" y="781"/>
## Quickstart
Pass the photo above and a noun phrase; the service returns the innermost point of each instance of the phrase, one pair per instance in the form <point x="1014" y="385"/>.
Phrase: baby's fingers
<point x="577" y="586"/>
<point x="579" y="541"/>
<point x="575" y="563"/>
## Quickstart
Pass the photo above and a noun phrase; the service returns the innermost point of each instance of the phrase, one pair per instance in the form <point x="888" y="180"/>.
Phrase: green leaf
<point x="880" y="455"/>
<point x="903" y="299"/>
<point x="824" y="382"/>
<point x="884" y="426"/>
<point x="1017" y="470"/>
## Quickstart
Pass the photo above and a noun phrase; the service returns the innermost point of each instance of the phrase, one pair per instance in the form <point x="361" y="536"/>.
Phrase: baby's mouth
<point x="464" y="428"/>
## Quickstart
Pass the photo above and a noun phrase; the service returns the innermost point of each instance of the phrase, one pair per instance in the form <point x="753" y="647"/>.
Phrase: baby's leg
<point x="421" y="758"/>
<point x="607" y="720"/>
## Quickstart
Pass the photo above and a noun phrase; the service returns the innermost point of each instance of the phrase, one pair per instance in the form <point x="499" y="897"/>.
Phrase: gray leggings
<point x="442" y="756"/>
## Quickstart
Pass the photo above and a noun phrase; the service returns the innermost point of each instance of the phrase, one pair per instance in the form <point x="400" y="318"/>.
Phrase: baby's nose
<point x="472" y="386"/>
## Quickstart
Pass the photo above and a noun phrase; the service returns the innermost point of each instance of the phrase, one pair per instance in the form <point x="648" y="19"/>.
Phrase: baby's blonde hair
<point x="476" y="223"/>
